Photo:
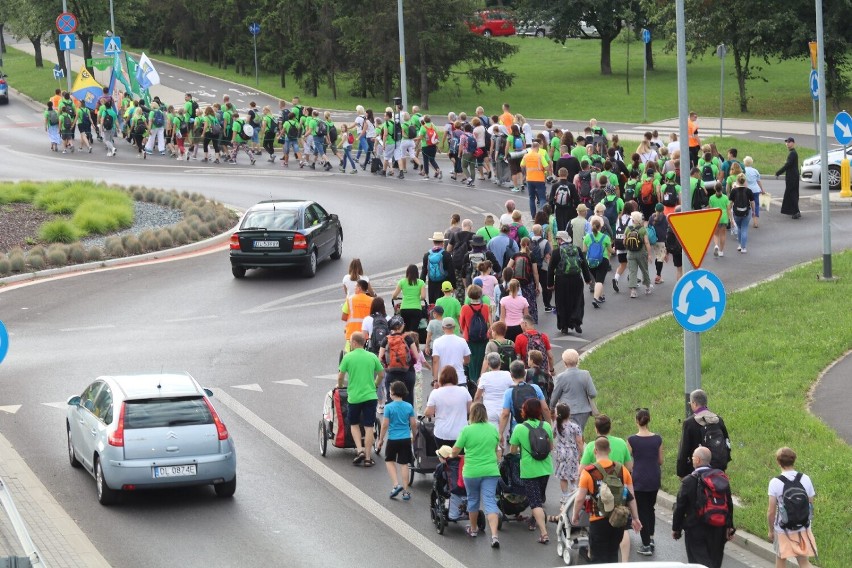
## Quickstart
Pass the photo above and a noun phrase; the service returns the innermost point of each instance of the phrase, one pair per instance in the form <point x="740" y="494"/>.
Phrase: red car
<point x="492" y="23"/>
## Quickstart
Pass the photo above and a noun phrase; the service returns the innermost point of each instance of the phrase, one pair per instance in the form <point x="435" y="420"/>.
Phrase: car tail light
<point x="128" y="487"/>
<point x="220" y="426"/>
<point x="117" y="437"/>
<point x="300" y="242"/>
<point x="235" y="242"/>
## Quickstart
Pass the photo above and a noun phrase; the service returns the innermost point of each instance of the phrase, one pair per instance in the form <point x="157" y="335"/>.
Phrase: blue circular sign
<point x="843" y="127"/>
<point x="814" y="84"/>
<point x="66" y="23"/>
<point x="646" y="36"/>
<point x="698" y="300"/>
<point x="254" y="28"/>
<point x="4" y="342"/>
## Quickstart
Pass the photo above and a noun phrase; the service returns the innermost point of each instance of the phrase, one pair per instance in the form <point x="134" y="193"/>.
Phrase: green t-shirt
<point x="485" y="300"/>
<point x="522" y="230"/>
<point x="531" y="467"/>
<point x="105" y="111"/>
<point x="488" y="233"/>
<point x="311" y="123"/>
<point x="613" y="178"/>
<point x="555" y="143"/>
<point x="362" y="367"/>
<point x="81" y="112"/>
<point x="268" y="123"/>
<point x="187" y="108"/>
<point x="579" y="152"/>
<point x="227" y="121"/>
<point x="410" y="294"/>
<point x="238" y="128"/>
<point x="721" y="202"/>
<point x="452" y="309"/>
<point x="479" y="442"/>
<point x="511" y="141"/>
<point x="619" y="206"/>
<point x="713" y="166"/>
<point x="618" y="452"/>
<point x="422" y="135"/>
<point x="285" y="128"/>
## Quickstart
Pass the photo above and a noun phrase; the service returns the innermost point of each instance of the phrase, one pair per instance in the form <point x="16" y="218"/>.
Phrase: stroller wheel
<point x="440" y="520"/>
<point x="566" y="556"/>
<point x="500" y="522"/>
<point x="410" y="475"/>
<point x="323" y="438"/>
<point x="480" y="521"/>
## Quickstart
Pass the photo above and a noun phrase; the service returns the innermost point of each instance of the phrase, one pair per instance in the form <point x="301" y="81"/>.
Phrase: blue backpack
<point x="595" y="255"/>
<point x="471" y="144"/>
<point x="437" y="273"/>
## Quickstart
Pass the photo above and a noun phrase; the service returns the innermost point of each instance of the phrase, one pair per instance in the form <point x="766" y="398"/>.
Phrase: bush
<point x="77" y="253"/>
<point x="101" y="218"/>
<point x="17" y="261"/>
<point x="149" y="241"/>
<point x="95" y="254"/>
<point x="5" y="267"/>
<point x="138" y="195"/>
<point x="132" y="245"/>
<point x="22" y="192"/>
<point x="37" y="250"/>
<point x="57" y="257"/>
<point x="114" y="247"/>
<point x="194" y="236"/>
<point x="36" y="261"/>
<point x="59" y="231"/>
<point x="203" y="230"/>
<point x="165" y="239"/>
<point x="150" y="195"/>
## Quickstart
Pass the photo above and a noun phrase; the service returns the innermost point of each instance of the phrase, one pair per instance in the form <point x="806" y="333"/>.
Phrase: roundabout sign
<point x="698" y="300"/>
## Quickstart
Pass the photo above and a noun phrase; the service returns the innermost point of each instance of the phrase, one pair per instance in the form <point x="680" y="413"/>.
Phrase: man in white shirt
<point x="450" y="350"/>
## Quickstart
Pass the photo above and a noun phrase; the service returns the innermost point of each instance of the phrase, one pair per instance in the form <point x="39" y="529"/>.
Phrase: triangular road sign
<point x="111" y="47"/>
<point x="694" y="230"/>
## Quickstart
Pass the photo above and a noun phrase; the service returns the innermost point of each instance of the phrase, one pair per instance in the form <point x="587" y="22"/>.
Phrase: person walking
<point x="574" y="387"/>
<point x="51" y="126"/>
<point x="790" y="169"/>
<point x="526" y="273"/>
<point x="413" y="291"/>
<point x="398" y="353"/>
<point x="449" y="406"/>
<point x="437" y="267"/>
<point x="755" y="185"/>
<point x="743" y="206"/>
<point x="598" y="245"/>
<point x="567" y="272"/>
<point x="638" y="254"/>
<point x="108" y="119"/>
<point x="473" y="322"/>
<point x="156" y="130"/>
<point x="705" y="541"/>
<point x="646" y="448"/>
<point x="513" y="308"/>
<point x="790" y="511"/>
<point x="702" y="428"/>
<point x="450" y="350"/>
<point x="398" y="424"/>
<point x="364" y="372"/>
<point x="492" y="386"/>
<point x="567" y="451"/>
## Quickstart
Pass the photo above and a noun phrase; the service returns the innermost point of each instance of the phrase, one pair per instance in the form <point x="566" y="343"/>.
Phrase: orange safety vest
<point x="533" y="162"/>
<point x="359" y="308"/>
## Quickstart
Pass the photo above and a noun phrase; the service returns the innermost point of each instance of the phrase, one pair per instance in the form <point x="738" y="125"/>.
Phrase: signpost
<point x="646" y="39"/>
<point x="112" y="45"/>
<point x="66" y="23"/>
<point x="67" y="42"/>
<point x="4" y="341"/>
<point x="813" y="84"/>
<point x="254" y="29"/>
<point x="721" y="52"/>
<point x="101" y="63"/>
<point x="843" y="134"/>
<point x="58" y="73"/>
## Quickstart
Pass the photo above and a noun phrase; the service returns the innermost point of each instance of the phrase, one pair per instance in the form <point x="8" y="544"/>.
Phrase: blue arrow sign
<point x="254" y="28"/>
<point x="698" y="300"/>
<point x="67" y="42"/>
<point x="646" y="36"/>
<point x="814" y="84"/>
<point x="4" y="342"/>
<point x="112" y="45"/>
<point x="843" y="127"/>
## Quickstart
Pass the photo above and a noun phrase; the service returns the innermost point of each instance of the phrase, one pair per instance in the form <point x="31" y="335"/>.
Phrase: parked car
<point x="285" y="233"/>
<point x="812" y="169"/>
<point x="492" y="23"/>
<point x="537" y="29"/>
<point x="588" y="31"/>
<point x="149" y="432"/>
<point x="4" y="89"/>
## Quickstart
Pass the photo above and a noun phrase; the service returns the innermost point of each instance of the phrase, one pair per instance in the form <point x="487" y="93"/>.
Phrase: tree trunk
<point x="36" y="41"/>
<point x="606" y="55"/>
<point x="333" y="81"/>
<point x="424" y="76"/>
<point x="87" y="40"/>
<point x="2" y="39"/>
<point x="363" y="89"/>
<point x="387" y="84"/>
<point x="60" y="56"/>
<point x="283" y="77"/>
<point x="649" y="55"/>
<point x="741" y="80"/>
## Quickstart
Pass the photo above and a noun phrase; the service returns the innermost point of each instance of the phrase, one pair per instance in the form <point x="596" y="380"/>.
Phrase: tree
<point x="32" y="20"/>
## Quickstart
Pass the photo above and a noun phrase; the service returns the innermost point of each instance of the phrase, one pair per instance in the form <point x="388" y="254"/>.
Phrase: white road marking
<point x="330" y="376"/>
<point x="55" y="404"/>
<point x="241" y="100"/>
<point x="294" y="382"/>
<point x="190" y="82"/>
<point x="477" y="209"/>
<point x="252" y="387"/>
<point x="339" y="483"/>
<point x="180" y="78"/>
<point x="197" y="318"/>
<point x="11" y="408"/>
<point x="89" y="328"/>
<point x="170" y="76"/>
<point x="773" y="137"/>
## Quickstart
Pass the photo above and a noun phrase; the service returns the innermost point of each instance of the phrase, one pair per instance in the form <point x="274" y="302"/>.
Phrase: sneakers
<point x="494" y="542"/>
<point x="721" y="253"/>
<point x="615" y="285"/>
<point x="645" y="550"/>
<point x="354" y="171"/>
<point x="401" y="174"/>
<point x="739" y="248"/>
<point x="716" y="250"/>
<point x="516" y="190"/>
<point x="395" y="491"/>
<point x="633" y="294"/>
<point x="406" y="495"/>
<point x="648" y="290"/>
<point x="596" y="303"/>
<point x="658" y="280"/>
<point x="744" y="251"/>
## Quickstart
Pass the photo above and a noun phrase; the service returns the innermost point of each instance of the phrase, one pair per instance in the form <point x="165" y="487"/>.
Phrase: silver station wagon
<point x="149" y="432"/>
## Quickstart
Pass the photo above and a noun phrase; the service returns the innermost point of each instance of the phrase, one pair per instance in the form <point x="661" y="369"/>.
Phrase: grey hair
<point x="494" y="360"/>
<point x="698" y="397"/>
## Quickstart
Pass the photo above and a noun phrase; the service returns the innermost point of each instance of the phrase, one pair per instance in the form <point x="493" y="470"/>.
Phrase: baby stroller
<point x="511" y="497"/>
<point x="571" y="539"/>
<point x="424" y="448"/>
<point x="334" y="424"/>
<point x="447" y="491"/>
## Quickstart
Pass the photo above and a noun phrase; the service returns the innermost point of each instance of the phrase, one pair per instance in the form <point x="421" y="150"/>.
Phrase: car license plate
<point x="265" y="244"/>
<point x="174" y="471"/>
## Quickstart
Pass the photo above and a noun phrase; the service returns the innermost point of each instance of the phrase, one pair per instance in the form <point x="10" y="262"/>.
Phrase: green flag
<point x="132" y="66"/>
<point x="119" y="73"/>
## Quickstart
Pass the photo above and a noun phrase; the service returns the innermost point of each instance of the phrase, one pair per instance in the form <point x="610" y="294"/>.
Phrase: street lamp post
<point x="403" y="82"/>
<point x="721" y="51"/>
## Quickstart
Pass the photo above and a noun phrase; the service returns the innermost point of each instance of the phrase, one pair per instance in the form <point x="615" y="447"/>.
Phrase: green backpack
<point x="569" y="260"/>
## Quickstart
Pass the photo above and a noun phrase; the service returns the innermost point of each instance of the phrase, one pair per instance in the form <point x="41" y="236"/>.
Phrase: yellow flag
<point x="86" y="89"/>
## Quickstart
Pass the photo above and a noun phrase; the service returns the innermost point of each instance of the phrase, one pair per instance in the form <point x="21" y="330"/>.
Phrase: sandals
<point x="395" y="491"/>
<point x="553" y="519"/>
<point x="359" y="459"/>
<point x="543" y="539"/>
<point x="406" y="495"/>
<point x="531" y="524"/>
<point x="369" y="463"/>
<point x="471" y="533"/>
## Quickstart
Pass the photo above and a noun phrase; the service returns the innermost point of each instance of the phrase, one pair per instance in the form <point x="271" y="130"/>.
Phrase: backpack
<point x="535" y="342"/>
<point x="523" y="268"/>
<point x="712" y="499"/>
<point x="139" y="127"/>
<point x="700" y="200"/>
<point x="87" y="120"/>
<point x="632" y="239"/>
<point x="183" y="127"/>
<point x="507" y="353"/>
<point x="520" y="394"/>
<point x="609" y="486"/>
<point x="394" y="130"/>
<point x="159" y="119"/>
<point x="536" y="253"/>
<point x="397" y="353"/>
<point x="670" y="195"/>
<point x="741" y="204"/>
<point x="794" y="507"/>
<point x="293" y="130"/>
<point x="585" y="185"/>
<point x="252" y="118"/>
<point x="707" y="172"/>
<point x="542" y="378"/>
<point x="569" y="260"/>
<point x="239" y="130"/>
<point x="562" y="195"/>
<point x="597" y="162"/>
<point x="647" y="193"/>
<point x="595" y="254"/>
<point x="672" y="244"/>
<point x="518" y="143"/>
<point x="611" y="209"/>
<point x="216" y="129"/>
<point x="380" y="331"/>
<point x="598" y="195"/>
<point x="108" y="121"/>
<point x="431" y="136"/>
<point x="620" y="229"/>
<point x="713" y="439"/>
<point x="194" y="107"/>
<point x="412" y="130"/>
<point x="598" y="139"/>
<point x="437" y="272"/>
<point x="52" y="118"/>
<point x="351" y="138"/>
<point x="630" y="192"/>
<point x="539" y="441"/>
<point x="474" y="258"/>
<point x="652" y="234"/>
<point x="332" y="133"/>
<point x="513" y="233"/>
<point x="478" y="329"/>
<point x="322" y="129"/>
<point x="454" y="143"/>
<point x="67" y="123"/>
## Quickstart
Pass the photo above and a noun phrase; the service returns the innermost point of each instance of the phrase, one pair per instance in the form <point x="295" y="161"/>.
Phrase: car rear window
<point x="166" y="412"/>
<point x="282" y="220"/>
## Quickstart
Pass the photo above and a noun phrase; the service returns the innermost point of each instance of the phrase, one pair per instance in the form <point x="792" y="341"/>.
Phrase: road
<point x="245" y="337"/>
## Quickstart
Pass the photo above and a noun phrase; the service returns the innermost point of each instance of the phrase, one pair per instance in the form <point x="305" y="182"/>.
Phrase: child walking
<point x="419" y="363"/>
<point x="567" y="451"/>
<point x="348" y="139"/>
<point x="399" y="423"/>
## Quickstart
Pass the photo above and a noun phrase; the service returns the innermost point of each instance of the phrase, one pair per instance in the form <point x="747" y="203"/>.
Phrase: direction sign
<point x="813" y="82"/>
<point x="698" y="300"/>
<point x="4" y="342"/>
<point x="694" y="230"/>
<point x="112" y="45"/>
<point x="66" y="23"/>
<point x="843" y="127"/>
<point x="102" y="63"/>
<point x="58" y="72"/>
<point x="646" y="36"/>
<point x="254" y="28"/>
<point x="67" y="42"/>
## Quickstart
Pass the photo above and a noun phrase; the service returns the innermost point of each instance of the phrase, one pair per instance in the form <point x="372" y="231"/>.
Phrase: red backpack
<point x="397" y="353"/>
<point x="712" y="500"/>
<point x="647" y="193"/>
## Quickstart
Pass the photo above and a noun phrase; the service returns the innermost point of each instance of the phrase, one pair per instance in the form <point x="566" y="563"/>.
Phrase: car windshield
<point x="166" y="412"/>
<point x="278" y="220"/>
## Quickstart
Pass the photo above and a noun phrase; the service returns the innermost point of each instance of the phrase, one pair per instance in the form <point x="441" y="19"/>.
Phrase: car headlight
<point x="811" y="162"/>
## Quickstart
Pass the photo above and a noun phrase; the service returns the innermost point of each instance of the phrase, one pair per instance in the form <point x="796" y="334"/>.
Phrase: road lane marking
<point x="293" y="382"/>
<point x="339" y="483"/>
<point x="330" y="376"/>
<point x="88" y="328"/>
<point x="196" y="318"/>
<point x="55" y="404"/>
<point x="252" y="387"/>
<point x="10" y="408"/>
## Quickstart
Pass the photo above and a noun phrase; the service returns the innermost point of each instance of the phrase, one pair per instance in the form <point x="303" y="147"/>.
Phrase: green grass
<point x="758" y="382"/>
<point x="556" y="81"/>
<point x="59" y="231"/>
<point x="36" y="82"/>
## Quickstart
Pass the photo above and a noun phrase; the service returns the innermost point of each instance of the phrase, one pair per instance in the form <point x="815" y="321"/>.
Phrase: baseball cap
<point x="446" y="287"/>
<point x="790" y="139"/>
<point x="448" y="322"/>
<point x="438" y="310"/>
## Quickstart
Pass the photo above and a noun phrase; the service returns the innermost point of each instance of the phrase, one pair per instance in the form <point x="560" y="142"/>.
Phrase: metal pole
<point x="112" y="19"/>
<point x="691" y="340"/>
<point x="67" y="54"/>
<point x="645" y="85"/>
<point x="256" y="78"/>
<point x="816" y="134"/>
<point x="403" y="81"/>
<point x="722" y="92"/>
<point x="823" y="147"/>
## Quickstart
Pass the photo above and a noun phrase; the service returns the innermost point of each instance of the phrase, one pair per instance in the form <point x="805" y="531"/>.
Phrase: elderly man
<point x="703" y="428"/>
<point x="506" y="218"/>
<point x="575" y="388"/>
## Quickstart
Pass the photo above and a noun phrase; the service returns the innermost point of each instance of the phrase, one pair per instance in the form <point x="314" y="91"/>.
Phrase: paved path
<point x="831" y="397"/>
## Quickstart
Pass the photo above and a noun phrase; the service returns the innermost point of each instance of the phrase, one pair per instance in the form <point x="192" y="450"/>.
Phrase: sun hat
<point x="477" y="240"/>
<point x="437" y="236"/>
<point x="445" y="452"/>
<point x="563" y="235"/>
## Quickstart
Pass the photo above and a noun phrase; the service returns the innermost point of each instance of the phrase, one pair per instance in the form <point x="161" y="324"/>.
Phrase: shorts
<point x="288" y="144"/>
<point x="84" y="129"/>
<point x="677" y="258"/>
<point x="514" y="166"/>
<point x="392" y="152"/>
<point x="407" y="149"/>
<point x="536" y="490"/>
<point x="319" y="145"/>
<point x="659" y="250"/>
<point x="622" y="257"/>
<point x="68" y="135"/>
<point x="363" y="413"/>
<point x="399" y="451"/>
<point x="599" y="272"/>
<point x="793" y="544"/>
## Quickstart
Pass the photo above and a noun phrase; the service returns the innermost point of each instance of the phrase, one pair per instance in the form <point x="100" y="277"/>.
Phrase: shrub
<point x="149" y="241"/>
<point x="165" y="238"/>
<point x="223" y="221"/>
<point x="36" y="261"/>
<point x="213" y="227"/>
<point x="132" y="245"/>
<point x="101" y="218"/>
<point x="37" y="250"/>
<point x="59" y="231"/>
<point x="150" y="195"/>
<point x="203" y="230"/>
<point x="194" y="236"/>
<point x="180" y="237"/>
<point x="77" y="253"/>
<point x="114" y="247"/>
<point x="138" y="195"/>
<point x="5" y="267"/>
<point x="95" y="254"/>
<point x="57" y="257"/>
<point x="22" y="192"/>
<point x="17" y="261"/>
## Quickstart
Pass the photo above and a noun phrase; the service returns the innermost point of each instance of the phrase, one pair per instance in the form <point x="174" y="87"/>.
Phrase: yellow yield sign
<point x="694" y="230"/>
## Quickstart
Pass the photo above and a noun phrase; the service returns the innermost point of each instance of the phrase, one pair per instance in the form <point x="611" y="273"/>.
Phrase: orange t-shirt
<point x="692" y="129"/>
<point x="587" y="483"/>
<point x="507" y="120"/>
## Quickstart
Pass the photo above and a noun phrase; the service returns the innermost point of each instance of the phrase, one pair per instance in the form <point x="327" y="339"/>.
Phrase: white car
<point x="812" y="169"/>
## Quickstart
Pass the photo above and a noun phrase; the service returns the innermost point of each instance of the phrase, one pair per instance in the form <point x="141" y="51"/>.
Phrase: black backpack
<point x="714" y="439"/>
<point x="194" y="107"/>
<point x="520" y="394"/>
<point x="86" y="122"/>
<point x="412" y="130"/>
<point x="507" y="353"/>
<point x="478" y="329"/>
<point x="332" y="133"/>
<point x="379" y="333"/>
<point x="293" y="130"/>
<point x="539" y="441"/>
<point x="585" y="185"/>
<point x="394" y="130"/>
<point x="108" y="122"/>
<point x="700" y="199"/>
<point x="794" y="507"/>
<point x="741" y="201"/>
<point x="670" y="195"/>
<point x="707" y="172"/>
<point x="67" y="123"/>
<point x="322" y="129"/>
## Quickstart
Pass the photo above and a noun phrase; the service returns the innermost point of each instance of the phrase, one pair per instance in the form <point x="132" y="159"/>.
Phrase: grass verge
<point x="757" y="365"/>
<point x="35" y="82"/>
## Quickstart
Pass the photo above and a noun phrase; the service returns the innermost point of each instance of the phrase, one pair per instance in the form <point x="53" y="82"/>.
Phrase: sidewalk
<point x="831" y="394"/>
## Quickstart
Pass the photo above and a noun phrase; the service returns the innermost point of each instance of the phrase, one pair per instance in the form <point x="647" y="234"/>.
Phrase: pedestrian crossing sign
<point x="112" y="45"/>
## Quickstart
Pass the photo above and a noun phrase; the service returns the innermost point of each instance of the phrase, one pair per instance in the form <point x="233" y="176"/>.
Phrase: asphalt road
<point x="241" y="337"/>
